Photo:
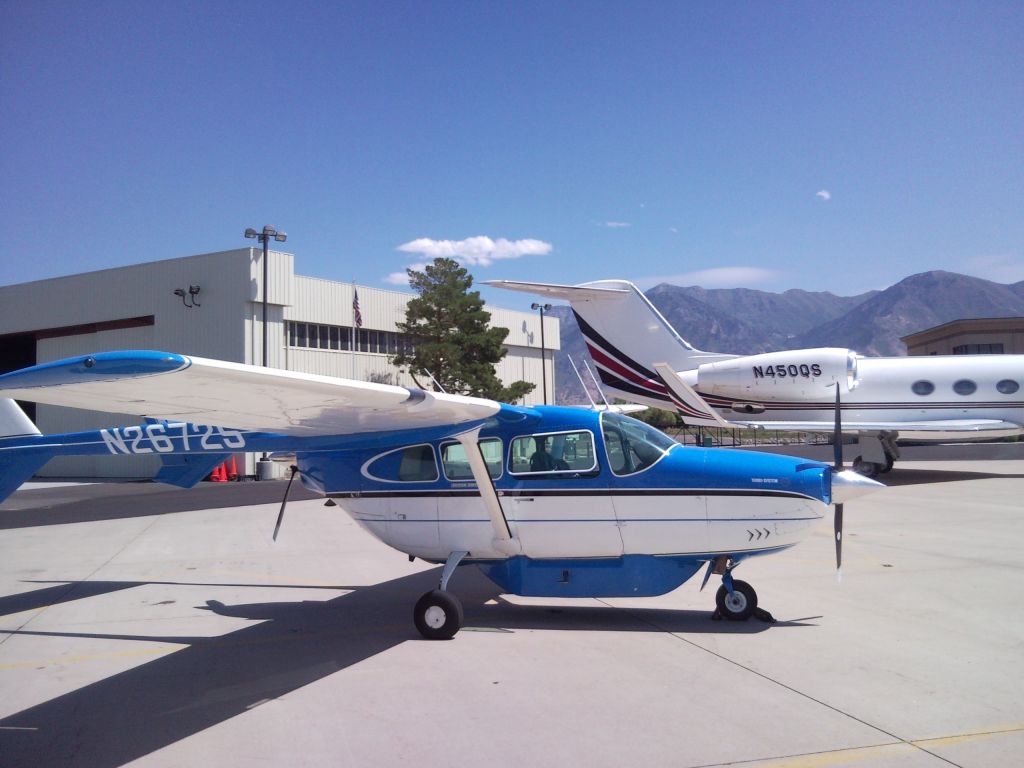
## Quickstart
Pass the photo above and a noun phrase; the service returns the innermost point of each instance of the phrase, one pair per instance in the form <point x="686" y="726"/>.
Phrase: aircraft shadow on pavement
<point x="138" y="711"/>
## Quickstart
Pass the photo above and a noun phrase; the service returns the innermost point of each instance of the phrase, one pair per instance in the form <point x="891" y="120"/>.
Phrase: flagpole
<point x="355" y="331"/>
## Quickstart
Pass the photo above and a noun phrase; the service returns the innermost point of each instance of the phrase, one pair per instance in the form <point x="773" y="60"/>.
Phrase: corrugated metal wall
<point x="227" y="324"/>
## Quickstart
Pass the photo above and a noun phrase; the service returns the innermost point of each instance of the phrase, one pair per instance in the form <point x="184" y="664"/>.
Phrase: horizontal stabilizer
<point x="185" y="470"/>
<point x="601" y="290"/>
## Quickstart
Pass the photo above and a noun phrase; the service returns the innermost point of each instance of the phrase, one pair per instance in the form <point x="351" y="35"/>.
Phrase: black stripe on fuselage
<point x="567" y="492"/>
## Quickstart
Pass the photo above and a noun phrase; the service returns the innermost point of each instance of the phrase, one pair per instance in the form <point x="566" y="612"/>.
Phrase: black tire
<point x="866" y="468"/>
<point x="438" y="615"/>
<point x="739" y="606"/>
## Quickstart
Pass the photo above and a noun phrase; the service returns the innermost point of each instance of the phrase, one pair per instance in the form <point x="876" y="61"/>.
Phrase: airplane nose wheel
<point x="438" y="615"/>
<point x="740" y="604"/>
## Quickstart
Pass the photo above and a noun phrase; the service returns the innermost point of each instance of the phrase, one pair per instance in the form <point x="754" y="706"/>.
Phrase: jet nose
<point x="848" y="485"/>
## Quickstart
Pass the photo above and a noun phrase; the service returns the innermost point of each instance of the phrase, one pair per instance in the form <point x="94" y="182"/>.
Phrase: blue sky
<point x="825" y="146"/>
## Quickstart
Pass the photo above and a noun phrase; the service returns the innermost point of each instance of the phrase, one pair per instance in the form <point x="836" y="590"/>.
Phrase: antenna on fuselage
<point x="599" y="390"/>
<point x="582" y="383"/>
<point x="436" y="382"/>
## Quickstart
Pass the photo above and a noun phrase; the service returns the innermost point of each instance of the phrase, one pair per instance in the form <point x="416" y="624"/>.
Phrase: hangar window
<point x="964" y="387"/>
<point x="922" y="387"/>
<point x="553" y="455"/>
<point x="456" y="465"/>
<point x="414" y="464"/>
<point x="1007" y="386"/>
<point x="978" y="349"/>
<point x="342" y="337"/>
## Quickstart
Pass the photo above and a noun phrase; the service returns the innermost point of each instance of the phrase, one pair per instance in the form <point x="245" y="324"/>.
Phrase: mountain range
<point x="747" y="321"/>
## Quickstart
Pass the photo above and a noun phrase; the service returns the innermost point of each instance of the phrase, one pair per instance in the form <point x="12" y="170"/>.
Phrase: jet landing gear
<point x="438" y="614"/>
<point x="877" y="453"/>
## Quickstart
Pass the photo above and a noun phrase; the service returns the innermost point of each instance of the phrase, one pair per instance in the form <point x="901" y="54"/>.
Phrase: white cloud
<point x="478" y="251"/>
<point x="615" y="224"/>
<point x="717" y="277"/>
<point x="824" y="194"/>
<point x="999" y="268"/>
<point x="402" y="278"/>
<point x="673" y="230"/>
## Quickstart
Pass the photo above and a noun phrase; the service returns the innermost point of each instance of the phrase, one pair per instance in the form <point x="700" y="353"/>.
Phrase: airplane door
<point x="559" y="504"/>
<point x="656" y="511"/>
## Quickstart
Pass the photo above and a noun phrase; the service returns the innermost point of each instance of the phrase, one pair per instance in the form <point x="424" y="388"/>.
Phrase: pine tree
<point x="446" y="326"/>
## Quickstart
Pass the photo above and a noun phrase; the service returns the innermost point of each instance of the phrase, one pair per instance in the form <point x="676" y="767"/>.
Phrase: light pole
<point x="264" y="237"/>
<point x="542" y="308"/>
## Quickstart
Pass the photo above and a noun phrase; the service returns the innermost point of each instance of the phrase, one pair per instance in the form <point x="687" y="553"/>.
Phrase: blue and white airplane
<point x="547" y="501"/>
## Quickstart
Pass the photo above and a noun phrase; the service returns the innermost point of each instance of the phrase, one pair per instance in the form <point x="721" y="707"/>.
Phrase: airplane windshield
<point x="632" y="445"/>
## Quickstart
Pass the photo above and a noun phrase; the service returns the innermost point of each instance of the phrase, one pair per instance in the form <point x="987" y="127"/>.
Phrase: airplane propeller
<point x="284" y="501"/>
<point x="837" y="467"/>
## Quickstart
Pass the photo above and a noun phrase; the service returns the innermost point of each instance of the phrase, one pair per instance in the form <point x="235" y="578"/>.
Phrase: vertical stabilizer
<point x="625" y="335"/>
<point x="13" y="421"/>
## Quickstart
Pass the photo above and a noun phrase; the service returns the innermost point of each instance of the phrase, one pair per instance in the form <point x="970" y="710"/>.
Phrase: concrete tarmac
<point x="165" y="628"/>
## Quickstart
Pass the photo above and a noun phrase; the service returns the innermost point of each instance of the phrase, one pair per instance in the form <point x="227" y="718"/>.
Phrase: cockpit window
<point x="632" y="445"/>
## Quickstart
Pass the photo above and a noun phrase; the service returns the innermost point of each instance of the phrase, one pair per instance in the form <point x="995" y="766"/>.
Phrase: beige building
<point x="981" y="336"/>
<point x="211" y="305"/>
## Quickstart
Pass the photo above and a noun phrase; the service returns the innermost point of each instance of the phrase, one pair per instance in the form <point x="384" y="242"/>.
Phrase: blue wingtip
<point x="101" y="365"/>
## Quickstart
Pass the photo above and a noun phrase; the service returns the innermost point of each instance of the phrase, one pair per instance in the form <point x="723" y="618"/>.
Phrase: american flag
<point x="357" y="316"/>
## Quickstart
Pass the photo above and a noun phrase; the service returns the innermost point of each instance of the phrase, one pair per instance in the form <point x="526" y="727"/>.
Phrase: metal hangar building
<point x="211" y="305"/>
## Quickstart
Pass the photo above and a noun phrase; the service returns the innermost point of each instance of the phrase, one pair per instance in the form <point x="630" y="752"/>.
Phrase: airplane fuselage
<point x="889" y="390"/>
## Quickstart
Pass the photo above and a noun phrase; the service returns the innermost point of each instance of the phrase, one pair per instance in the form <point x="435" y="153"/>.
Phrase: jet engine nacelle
<point x="801" y="373"/>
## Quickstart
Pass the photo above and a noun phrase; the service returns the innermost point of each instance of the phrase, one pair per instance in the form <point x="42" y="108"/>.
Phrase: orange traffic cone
<point x="218" y="475"/>
<point x="232" y="468"/>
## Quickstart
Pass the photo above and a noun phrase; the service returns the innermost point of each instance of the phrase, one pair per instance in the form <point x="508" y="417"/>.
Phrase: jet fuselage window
<point x="922" y="387"/>
<point x="1007" y="386"/>
<point x="964" y="387"/>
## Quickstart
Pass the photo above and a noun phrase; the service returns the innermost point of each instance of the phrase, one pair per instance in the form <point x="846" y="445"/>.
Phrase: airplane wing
<point x="168" y="386"/>
<point x="976" y="426"/>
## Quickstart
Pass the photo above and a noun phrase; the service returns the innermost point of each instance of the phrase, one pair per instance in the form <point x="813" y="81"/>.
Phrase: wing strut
<point x="503" y="541"/>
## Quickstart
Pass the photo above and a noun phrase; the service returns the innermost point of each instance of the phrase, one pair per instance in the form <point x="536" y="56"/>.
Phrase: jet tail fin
<point x="625" y="334"/>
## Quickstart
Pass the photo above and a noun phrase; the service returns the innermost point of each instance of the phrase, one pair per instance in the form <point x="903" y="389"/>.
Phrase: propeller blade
<point x="837" y="435"/>
<point x="284" y="501"/>
<point x="839" y="540"/>
<point x="837" y="449"/>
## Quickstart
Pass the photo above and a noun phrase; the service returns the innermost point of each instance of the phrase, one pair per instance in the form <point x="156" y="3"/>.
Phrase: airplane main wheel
<point x="866" y="468"/>
<point x="740" y="605"/>
<point x="438" y="615"/>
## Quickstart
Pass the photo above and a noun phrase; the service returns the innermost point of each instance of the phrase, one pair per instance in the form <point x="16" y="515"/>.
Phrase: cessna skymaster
<point x="546" y="501"/>
<point x="641" y="358"/>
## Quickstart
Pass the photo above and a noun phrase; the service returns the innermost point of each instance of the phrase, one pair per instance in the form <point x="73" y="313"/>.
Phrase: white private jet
<point x="547" y="501"/>
<point x="641" y="358"/>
